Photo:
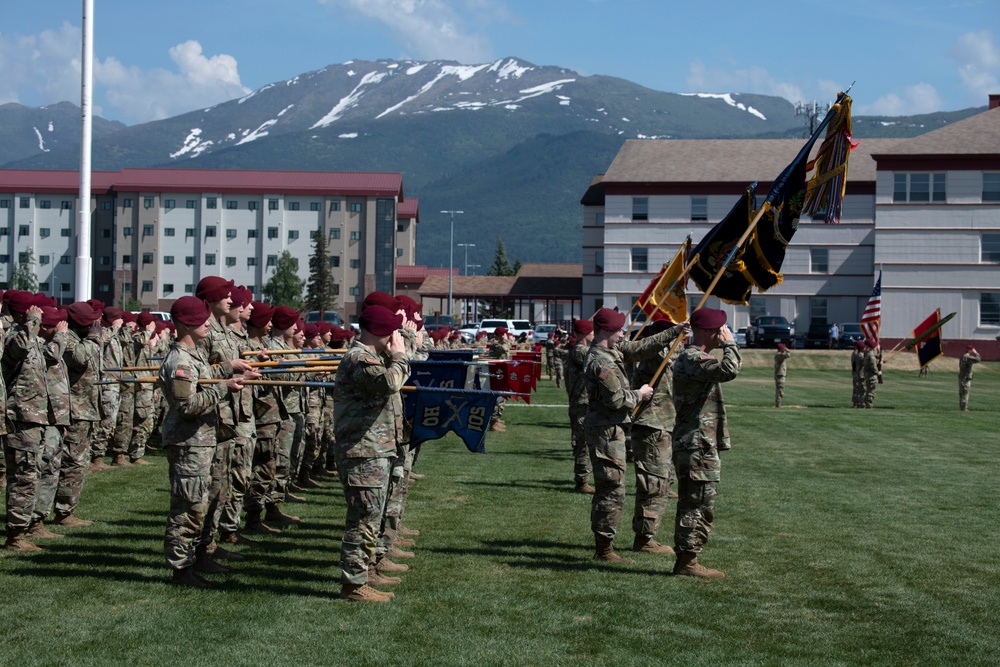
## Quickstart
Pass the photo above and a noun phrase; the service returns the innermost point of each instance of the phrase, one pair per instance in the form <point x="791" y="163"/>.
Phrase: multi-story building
<point x="924" y="210"/>
<point x="157" y="232"/>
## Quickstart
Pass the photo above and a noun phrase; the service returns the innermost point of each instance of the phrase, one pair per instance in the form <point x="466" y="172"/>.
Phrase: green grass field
<point x="848" y="537"/>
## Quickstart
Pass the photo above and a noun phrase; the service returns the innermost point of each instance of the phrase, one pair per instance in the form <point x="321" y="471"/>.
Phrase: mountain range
<point x="512" y="144"/>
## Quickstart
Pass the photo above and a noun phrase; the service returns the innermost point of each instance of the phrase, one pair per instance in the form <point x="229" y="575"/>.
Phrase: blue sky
<point x="156" y="59"/>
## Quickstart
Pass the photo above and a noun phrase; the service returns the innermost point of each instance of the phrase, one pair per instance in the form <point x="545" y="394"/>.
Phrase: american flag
<point x="871" y="321"/>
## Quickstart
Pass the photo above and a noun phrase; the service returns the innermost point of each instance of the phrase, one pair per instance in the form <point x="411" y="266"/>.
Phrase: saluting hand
<point x="62" y="327"/>
<point x="396" y="344"/>
<point x="725" y="334"/>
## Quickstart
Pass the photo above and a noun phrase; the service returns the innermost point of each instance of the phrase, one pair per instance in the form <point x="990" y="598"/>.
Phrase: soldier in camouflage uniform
<point x="499" y="348"/>
<point x="311" y="440"/>
<point x="111" y="357"/>
<point x="576" y="387"/>
<point x="780" y="371"/>
<point x="610" y="402"/>
<point x="144" y="343"/>
<point x="870" y="373"/>
<point x="121" y="438"/>
<point x="965" y="364"/>
<point x="369" y="431"/>
<point x="559" y="354"/>
<point x="285" y="323"/>
<point x="700" y="432"/>
<point x="857" y="374"/>
<point x="651" y="435"/>
<point x="189" y="437"/>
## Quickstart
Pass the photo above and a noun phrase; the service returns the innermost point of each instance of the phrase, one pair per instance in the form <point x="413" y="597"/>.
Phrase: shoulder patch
<point x="705" y="356"/>
<point x="370" y="360"/>
<point x="604" y="373"/>
<point x="182" y="373"/>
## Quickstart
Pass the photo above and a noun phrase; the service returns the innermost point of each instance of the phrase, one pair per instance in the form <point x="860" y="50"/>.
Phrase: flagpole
<point x="680" y="252"/>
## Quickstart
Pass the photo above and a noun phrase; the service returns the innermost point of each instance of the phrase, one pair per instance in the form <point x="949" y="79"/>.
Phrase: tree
<point x="23" y="276"/>
<point x="501" y="266"/>
<point x="320" y="289"/>
<point x="285" y="287"/>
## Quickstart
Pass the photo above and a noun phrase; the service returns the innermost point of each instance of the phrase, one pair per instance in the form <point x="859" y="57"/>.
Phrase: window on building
<point x="918" y="187"/>
<point x="355" y="263"/>
<point x="43" y="232"/>
<point x="189" y="233"/>
<point x="189" y="288"/>
<point x="356" y="207"/>
<point x="758" y="307"/>
<point x="252" y="205"/>
<point x="272" y="204"/>
<point x="401" y="227"/>
<point x="819" y="260"/>
<point x="251" y="261"/>
<point x="147" y="202"/>
<point x="168" y="288"/>
<point x="399" y="252"/>
<point x="22" y="257"/>
<point x="314" y="205"/>
<point x="599" y="262"/>
<point x="65" y="259"/>
<point x="334" y="233"/>
<point x="65" y="287"/>
<point x="169" y="204"/>
<point x="817" y="311"/>
<point x="104" y="260"/>
<point x="45" y="203"/>
<point x="334" y="206"/>
<point x="168" y="231"/>
<point x="189" y="261"/>
<point x="293" y="234"/>
<point x="640" y="208"/>
<point x="640" y="259"/>
<point x="126" y="231"/>
<point x="272" y="232"/>
<point x="127" y="288"/>
<point x="23" y="230"/>
<point x="989" y="248"/>
<point x="210" y="231"/>
<point x="355" y="236"/>
<point x="313" y="234"/>
<point x="65" y="233"/>
<point x="230" y="261"/>
<point x="128" y="202"/>
<point x="989" y="308"/>
<point x="230" y="233"/>
<point x="4" y="231"/>
<point x="209" y="259"/>
<point x="43" y="287"/>
<point x="991" y="186"/>
<point x="272" y="260"/>
<point x="66" y="205"/>
<point x="335" y="261"/>
<point x="699" y="209"/>
<point x="147" y="258"/>
<point x="104" y="287"/>
<point x="105" y="233"/>
<point x="293" y="206"/>
<point x="25" y="202"/>
<point x="106" y="206"/>
<point x="231" y="204"/>
<point x="354" y="291"/>
<point x="126" y="260"/>
<point x="168" y="259"/>
<point x="44" y="260"/>
<point x="191" y="203"/>
<point x="251" y="288"/>
<point x="251" y="233"/>
<point x="147" y="230"/>
<point x="147" y="286"/>
<point x="210" y="202"/>
<point x="4" y="203"/>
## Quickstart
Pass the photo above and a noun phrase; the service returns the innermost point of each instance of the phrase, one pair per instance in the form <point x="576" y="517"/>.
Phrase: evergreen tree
<point x="517" y="267"/>
<point x="23" y="276"/>
<point x="320" y="289"/>
<point x="285" y="287"/>
<point x="501" y="266"/>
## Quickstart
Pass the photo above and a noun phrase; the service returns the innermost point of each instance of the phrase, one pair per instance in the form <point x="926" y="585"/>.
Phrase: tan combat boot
<point x="141" y="462"/>
<point x="307" y="482"/>
<point x="38" y="531"/>
<point x="401" y="541"/>
<point x="205" y="564"/>
<point x="604" y="550"/>
<point x="583" y="487"/>
<point x="187" y="577"/>
<point x="375" y="578"/>
<point x="97" y="464"/>
<point x="255" y="524"/>
<point x="72" y="521"/>
<point x="363" y="593"/>
<point x="687" y="565"/>
<point x="275" y="515"/>
<point x="408" y="532"/>
<point x="235" y="538"/>
<point x="648" y="545"/>
<point x="18" y="542"/>
<point x="386" y="565"/>
<point x="396" y="552"/>
<point x="120" y="461"/>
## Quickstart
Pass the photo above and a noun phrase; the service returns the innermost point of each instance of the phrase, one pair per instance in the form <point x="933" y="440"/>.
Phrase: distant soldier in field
<point x="700" y="432"/>
<point x="870" y="372"/>
<point x="576" y="387"/>
<point x="780" y="371"/>
<point x="965" y="364"/>
<point x="857" y="374"/>
<point x="558" y="357"/>
<point x="498" y="348"/>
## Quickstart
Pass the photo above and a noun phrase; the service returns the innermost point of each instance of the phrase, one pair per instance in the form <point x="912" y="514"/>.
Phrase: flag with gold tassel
<point x="668" y="296"/>
<point x="717" y="246"/>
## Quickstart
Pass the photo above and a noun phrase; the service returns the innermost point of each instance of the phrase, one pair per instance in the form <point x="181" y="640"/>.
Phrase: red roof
<point x="409" y="273"/>
<point x="408" y="210"/>
<point x="54" y="182"/>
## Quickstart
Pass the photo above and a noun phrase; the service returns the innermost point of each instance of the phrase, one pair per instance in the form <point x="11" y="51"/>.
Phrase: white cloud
<point x="748" y="80"/>
<point x="45" y="68"/>
<point x="433" y="29"/>
<point x="978" y="59"/>
<point x="917" y="99"/>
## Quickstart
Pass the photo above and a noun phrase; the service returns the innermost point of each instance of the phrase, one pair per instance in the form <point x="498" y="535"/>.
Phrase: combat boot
<point x="672" y="495"/>
<point x="255" y="524"/>
<point x="363" y="593"/>
<point x="416" y="475"/>
<point x="18" y="542"/>
<point x="386" y="565"/>
<point x="408" y="532"/>
<point x="236" y="538"/>
<point x="687" y="565"/>
<point x="141" y="462"/>
<point x="583" y="487"/>
<point x="291" y="497"/>
<point x="401" y="541"/>
<point x="97" y="464"/>
<point x="38" y="531"/>
<point x="498" y="426"/>
<point x="72" y="521"/>
<point x="187" y="577"/>
<point x="647" y="544"/>
<point x="120" y="461"/>
<point x="275" y="515"/>
<point x="307" y="482"/>
<point x="377" y="579"/>
<point x="396" y="552"/>
<point x="218" y="553"/>
<point x="604" y="550"/>
<point x="204" y="563"/>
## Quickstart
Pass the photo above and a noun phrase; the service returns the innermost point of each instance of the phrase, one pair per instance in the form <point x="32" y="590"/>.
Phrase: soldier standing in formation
<point x="870" y="373"/>
<point x="780" y="371"/>
<point x="701" y="431"/>
<point x="857" y="374"/>
<point x="558" y="357"/>
<point x="499" y="348"/>
<point x="965" y="364"/>
<point x="576" y="387"/>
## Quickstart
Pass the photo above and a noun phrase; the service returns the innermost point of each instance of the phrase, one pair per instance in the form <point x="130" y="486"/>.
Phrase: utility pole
<point x="451" y="257"/>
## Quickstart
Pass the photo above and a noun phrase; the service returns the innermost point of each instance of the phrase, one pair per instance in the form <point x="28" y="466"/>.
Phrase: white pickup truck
<point x="514" y="328"/>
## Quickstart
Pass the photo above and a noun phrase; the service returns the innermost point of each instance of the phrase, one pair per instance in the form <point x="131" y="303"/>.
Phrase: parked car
<point x="818" y="336"/>
<point x="331" y="316"/>
<point x="435" y="322"/>
<point x="542" y="332"/>
<point x="741" y="337"/>
<point x="157" y="314"/>
<point x="514" y="327"/>
<point x="850" y="333"/>
<point x="769" y="330"/>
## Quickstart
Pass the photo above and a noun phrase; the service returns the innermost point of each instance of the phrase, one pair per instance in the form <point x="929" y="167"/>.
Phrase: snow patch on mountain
<point x="728" y="99"/>
<point x="509" y="69"/>
<point x="193" y="144"/>
<point x="351" y="100"/>
<point x="259" y="90"/>
<point x="41" y="142"/>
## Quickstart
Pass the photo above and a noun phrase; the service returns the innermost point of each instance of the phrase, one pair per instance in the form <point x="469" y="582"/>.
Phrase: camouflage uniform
<point x="111" y="393"/>
<point x="228" y="517"/>
<point x="548" y="355"/>
<point x="780" y="371"/>
<point x="50" y="459"/>
<point x="83" y="361"/>
<point x="290" y="398"/>
<point x="268" y="413"/>
<point x="857" y="377"/>
<point x="189" y="429"/>
<point x="576" y="387"/>
<point x="369" y="430"/>
<point x="121" y="437"/>
<point x="609" y="404"/>
<point x="870" y="374"/>
<point x="399" y="475"/>
<point x="143" y="410"/>
<point x="965" y="365"/>
<point x="498" y="349"/>
<point x="313" y="433"/>
<point x="700" y="432"/>
<point x="559" y="354"/>
<point x="651" y="436"/>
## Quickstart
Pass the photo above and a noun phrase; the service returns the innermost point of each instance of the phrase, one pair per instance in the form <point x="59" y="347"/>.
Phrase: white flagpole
<point x="84" y="262"/>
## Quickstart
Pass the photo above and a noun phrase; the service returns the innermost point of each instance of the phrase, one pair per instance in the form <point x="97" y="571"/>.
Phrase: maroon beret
<point x="782" y="347"/>
<point x="312" y="330"/>
<point x="500" y="331"/>
<point x="213" y="288"/>
<point x="112" y="313"/>
<point x="481" y="335"/>
<point x="82" y="313"/>
<point x="260" y="315"/>
<point x="284" y="317"/>
<point x="144" y="318"/>
<point x="161" y="325"/>
<point x="96" y="304"/>
<point x="52" y="316"/>
<point x="607" y="319"/>
<point x="381" y="299"/>
<point x="129" y="316"/>
<point x="43" y="299"/>
<point x="237" y="295"/>
<point x="300" y="325"/>
<point x="339" y="334"/>
<point x="583" y="327"/>
<point x="247" y="296"/>
<point x="859" y="345"/>
<point x="324" y="328"/>
<point x="20" y="302"/>
<point x="190" y="311"/>
<point x="380" y="321"/>
<point x="708" y="318"/>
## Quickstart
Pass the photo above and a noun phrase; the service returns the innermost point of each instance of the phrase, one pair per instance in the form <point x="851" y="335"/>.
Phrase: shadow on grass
<point x="561" y="454"/>
<point x="558" y="484"/>
<point x="550" y="555"/>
